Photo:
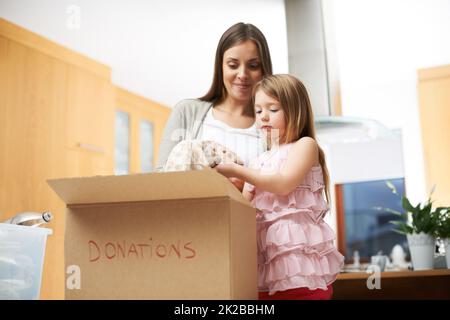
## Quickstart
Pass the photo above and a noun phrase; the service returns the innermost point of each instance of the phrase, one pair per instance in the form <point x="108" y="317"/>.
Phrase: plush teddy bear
<point x="196" y="155"/>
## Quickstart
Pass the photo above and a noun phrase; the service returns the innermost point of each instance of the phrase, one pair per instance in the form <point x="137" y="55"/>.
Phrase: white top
<point x="246" y="143"/>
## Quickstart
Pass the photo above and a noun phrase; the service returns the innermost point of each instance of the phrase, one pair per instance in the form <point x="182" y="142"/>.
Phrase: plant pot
<point x="447" y="251"/>
<point x="421" y="247"/>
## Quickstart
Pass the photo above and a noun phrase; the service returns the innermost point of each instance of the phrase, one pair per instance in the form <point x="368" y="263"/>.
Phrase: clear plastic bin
<point x="22" y="251"/>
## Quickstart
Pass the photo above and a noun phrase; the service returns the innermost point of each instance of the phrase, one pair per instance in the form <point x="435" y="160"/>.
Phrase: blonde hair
<point x="294" y="100"/>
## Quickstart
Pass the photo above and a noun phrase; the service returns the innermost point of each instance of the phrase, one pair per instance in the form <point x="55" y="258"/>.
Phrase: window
<point x="363" y="228"/>
<point x="146" y="146"/>
<point x="122" y="145"/>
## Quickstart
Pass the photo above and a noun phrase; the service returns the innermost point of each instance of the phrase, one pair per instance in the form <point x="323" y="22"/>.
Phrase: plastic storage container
<point x="22" y="251"/>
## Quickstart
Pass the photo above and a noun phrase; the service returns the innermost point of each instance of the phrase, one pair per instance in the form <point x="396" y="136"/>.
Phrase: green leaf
<point x="398" y="213"/>
<point x="400" y="232"/>
<point x="443" y="229"/>
<point x="432" y="189"/>
<point x="409" y="229"/>
<point x="442" y="210"/>
<point x="391" y="186"/>
<point x="427" y="208"/>
<point x="398" y="223"/>
<point x="402" y="227"/>
<point x="423" y="217"/>
<point x="407" y="205"/>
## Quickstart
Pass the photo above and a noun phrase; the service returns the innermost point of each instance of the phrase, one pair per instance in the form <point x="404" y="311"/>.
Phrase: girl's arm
<point x="301" y="158"/>
<point x="248" y="195"/>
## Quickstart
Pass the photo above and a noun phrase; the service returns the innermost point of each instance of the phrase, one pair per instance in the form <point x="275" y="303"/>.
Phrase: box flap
<point x="205" y="183"/>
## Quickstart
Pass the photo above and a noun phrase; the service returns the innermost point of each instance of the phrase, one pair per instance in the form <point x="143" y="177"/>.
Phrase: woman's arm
<point x="174" y="132"/>
<point x="301" y="158"/>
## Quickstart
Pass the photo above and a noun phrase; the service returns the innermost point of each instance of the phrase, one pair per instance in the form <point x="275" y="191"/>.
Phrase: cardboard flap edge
<point x="145" y="187"/>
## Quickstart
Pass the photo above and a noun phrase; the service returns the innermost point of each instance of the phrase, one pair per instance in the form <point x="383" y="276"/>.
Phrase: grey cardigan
<point x="185" y="122"/>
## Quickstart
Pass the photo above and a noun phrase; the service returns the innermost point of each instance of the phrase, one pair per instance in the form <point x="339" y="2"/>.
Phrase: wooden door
<point x="32" y="135"/>
<point x="90" y="123"/>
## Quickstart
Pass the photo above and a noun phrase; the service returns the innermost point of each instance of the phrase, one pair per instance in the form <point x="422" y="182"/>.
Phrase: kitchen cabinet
<point x="57" y="119"/>
<point x="90" y="123"/>
<point x="393" y="285"/>
<point x="32" y="138"/>
<point x="434" y="102"/>
<point x="139" y="127"/>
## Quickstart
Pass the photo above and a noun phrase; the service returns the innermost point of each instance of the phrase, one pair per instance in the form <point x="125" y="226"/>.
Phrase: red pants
<point x="299" y="294"/>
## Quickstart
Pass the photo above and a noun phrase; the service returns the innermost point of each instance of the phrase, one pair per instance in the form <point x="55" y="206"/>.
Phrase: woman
<point x="225" y="114"/>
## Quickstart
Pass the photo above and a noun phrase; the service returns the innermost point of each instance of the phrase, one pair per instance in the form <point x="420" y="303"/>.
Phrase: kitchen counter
<point x="405" y="284"/>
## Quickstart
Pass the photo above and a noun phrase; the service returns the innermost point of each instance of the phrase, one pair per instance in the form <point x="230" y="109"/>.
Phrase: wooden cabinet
<point x="434" y="105"/>
<point x="32" y="122"/>
<point x="393" y="285"/>
<point x="145" y="120"/>
<point x="57" y="119"/>
<point x="90" y="123"/>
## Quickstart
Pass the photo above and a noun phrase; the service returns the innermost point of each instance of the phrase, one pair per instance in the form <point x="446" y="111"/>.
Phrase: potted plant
<point x="419" y="223"/>
<point x="443" y="231"/>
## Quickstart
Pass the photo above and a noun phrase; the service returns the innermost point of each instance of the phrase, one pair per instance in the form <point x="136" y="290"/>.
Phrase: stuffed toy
<point x="196" y="155"/>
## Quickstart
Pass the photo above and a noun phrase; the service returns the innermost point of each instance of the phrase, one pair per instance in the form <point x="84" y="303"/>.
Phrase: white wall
<point x="365" y="161"/>
<point x="161" y="49"/>
<point x="306" y="47"/>
<point x="380" y="46"/>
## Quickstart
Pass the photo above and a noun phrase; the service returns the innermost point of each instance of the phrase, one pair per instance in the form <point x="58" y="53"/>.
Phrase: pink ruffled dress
<point x="295" y="246"/>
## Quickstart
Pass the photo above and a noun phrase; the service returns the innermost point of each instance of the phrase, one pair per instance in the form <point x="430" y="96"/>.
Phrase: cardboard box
<point x="178" y="235"/>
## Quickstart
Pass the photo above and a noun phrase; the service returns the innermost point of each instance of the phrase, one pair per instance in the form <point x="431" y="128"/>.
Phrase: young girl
<point x="297" y="258"/>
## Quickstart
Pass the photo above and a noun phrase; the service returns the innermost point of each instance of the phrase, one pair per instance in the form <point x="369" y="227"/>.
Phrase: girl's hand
<point x="227" y="169"/>
<point x="238" y="183"/>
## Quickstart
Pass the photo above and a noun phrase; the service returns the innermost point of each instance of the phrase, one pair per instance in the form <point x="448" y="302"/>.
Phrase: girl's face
<point x="269" y="115"/>
<point x="241" y="70"/>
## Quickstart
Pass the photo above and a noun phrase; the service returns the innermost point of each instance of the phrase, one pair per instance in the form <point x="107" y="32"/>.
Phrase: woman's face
<point x="241" y="70"/>
<point x="269" y="116"/>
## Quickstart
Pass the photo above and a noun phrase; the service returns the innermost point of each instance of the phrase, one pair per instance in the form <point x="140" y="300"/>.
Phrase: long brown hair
<point x="298" y="114"/>
<point x="237" y="33"/>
